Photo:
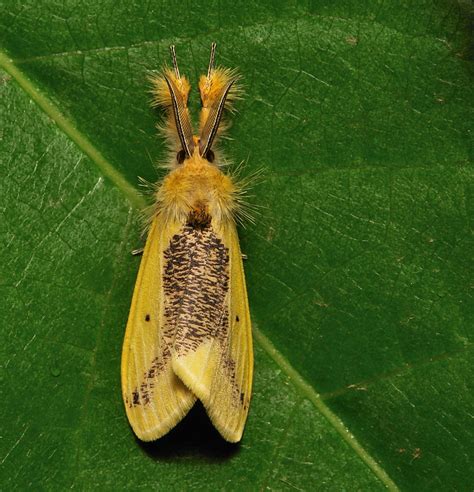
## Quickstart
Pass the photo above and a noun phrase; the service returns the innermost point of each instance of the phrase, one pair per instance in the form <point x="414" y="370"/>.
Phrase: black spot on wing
<point x="136" y="398"/>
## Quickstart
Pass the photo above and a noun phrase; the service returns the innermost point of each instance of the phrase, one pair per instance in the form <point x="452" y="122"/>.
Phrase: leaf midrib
<point x="310" y="394"/>
<point x="138" y="202"/>
<point x="68" y="127"/>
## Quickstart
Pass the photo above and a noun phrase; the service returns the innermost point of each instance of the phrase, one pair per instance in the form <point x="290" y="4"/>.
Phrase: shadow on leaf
<point x="193" y="436"/>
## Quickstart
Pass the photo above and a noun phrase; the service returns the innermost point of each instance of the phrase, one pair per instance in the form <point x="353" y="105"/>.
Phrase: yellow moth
<point x="188" y="334"/>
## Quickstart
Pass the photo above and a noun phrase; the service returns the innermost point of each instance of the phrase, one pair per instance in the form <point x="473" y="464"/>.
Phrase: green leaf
<point x="359" y="265"/>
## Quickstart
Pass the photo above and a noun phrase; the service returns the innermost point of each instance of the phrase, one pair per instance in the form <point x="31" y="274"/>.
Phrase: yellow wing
<point x="213" y="352"/>
<point x="155" y="399"/>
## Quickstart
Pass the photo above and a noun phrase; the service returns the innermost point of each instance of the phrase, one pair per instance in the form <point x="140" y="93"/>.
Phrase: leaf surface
<point x="359" y="264"/>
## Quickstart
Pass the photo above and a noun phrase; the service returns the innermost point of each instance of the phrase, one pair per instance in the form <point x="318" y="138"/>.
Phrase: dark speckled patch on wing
<point x="196" y="284"/>
<point x="142" y="395"/>
<point x="196" y="289"/>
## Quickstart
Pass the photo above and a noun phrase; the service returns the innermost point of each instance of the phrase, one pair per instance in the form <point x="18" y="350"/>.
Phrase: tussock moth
<point x="188" y="334"/>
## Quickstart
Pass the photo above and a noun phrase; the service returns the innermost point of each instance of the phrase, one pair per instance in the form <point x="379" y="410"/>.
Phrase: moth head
<point x="182" y="155"/>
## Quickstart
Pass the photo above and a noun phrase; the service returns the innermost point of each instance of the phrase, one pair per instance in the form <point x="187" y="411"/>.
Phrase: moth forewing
<point x="155" y="398"/>
<point x="189" y="335"/>
<point x="230" y="394"/>
<point x="218" y="368"/>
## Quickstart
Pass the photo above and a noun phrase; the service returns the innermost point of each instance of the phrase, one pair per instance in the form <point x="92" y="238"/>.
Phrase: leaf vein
<point x="68" y="127"/>
<point x="309" y="392"/>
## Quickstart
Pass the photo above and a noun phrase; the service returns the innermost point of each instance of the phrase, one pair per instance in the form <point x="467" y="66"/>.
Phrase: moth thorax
<point x="199" y="217"/>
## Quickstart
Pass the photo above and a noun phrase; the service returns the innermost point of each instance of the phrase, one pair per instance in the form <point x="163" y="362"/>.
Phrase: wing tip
<point x="147" y="433"/>
<point x="232" y="434"/>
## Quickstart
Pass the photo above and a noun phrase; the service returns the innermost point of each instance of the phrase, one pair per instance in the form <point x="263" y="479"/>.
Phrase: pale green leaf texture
<point x="359" y="264"/>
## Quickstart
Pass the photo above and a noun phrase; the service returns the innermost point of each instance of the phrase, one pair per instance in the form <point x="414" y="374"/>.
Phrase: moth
<point x="188" y="334"/>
